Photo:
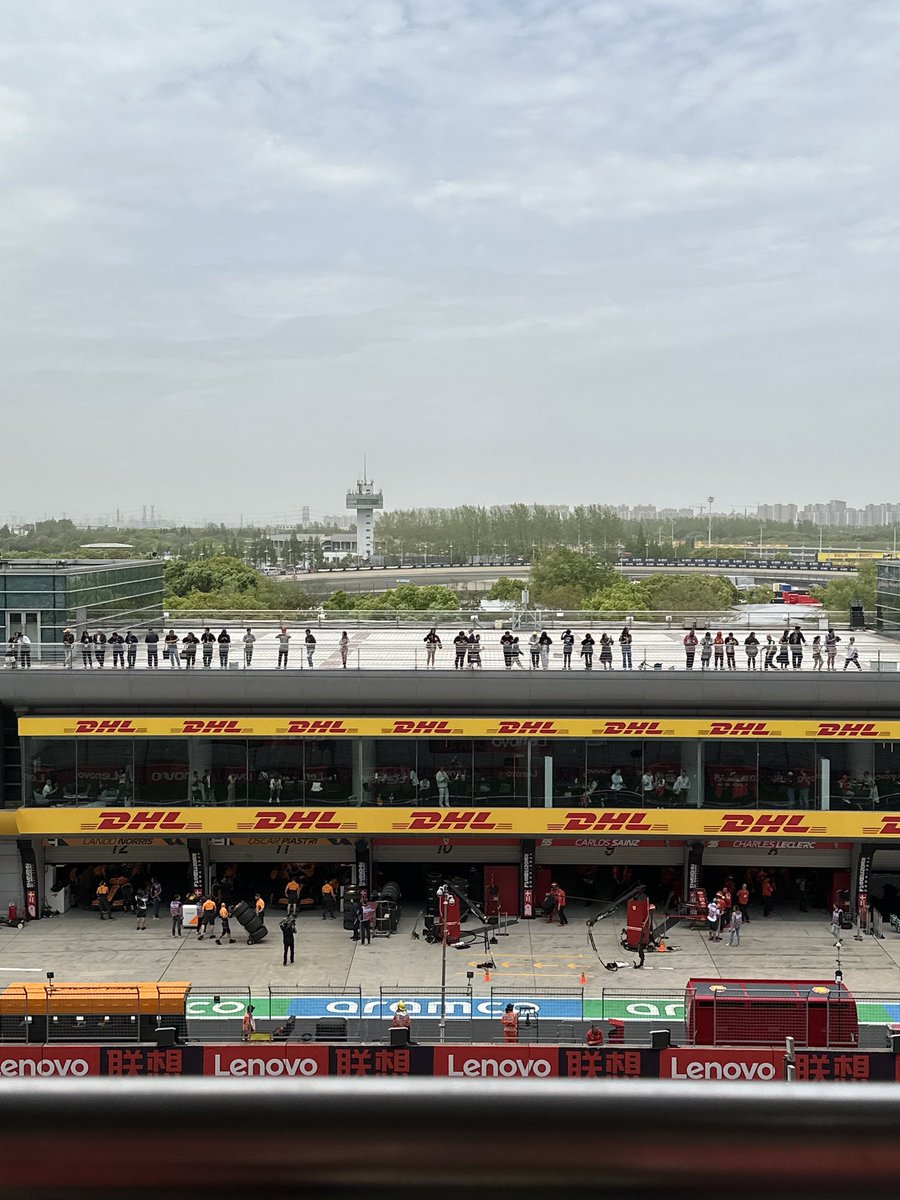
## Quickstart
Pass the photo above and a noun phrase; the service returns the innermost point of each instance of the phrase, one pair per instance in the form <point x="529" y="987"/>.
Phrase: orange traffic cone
<point x="662" y="948"/>
<point x="487" y="975"/>
<point x="583" y="979"/>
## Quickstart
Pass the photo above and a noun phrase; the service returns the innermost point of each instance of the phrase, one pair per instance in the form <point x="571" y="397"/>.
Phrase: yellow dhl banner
<point x="834" y="729"/>
<point x="455" y="823"/>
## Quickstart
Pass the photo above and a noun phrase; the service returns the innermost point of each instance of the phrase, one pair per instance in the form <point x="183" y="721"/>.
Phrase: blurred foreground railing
<point x="424" y="1138"/>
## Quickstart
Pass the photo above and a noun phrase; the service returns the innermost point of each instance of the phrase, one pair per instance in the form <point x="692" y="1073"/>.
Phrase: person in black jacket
<point x="86" y="658"/>
<point x="99" y="640"/>
<point x="130" y="649"/>
<point x="207" y="641"/>
<point x="118" y="650"/>
<point x="224" y="643"/>
<point x="151" y="641"/>
<point x="190" y="643"/>
<point x="288" y="928"/>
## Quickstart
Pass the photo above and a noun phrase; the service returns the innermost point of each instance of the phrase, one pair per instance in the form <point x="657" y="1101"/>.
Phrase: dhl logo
<point x="452" y="820"/>
<point x="419" y="728"/>
<point x="529" y="728"/>
<point x="107" y="725"/>
<point x="847" y="729"/>
<point x="737" y="729"/>
<point x="607" y="822"/>
<point x="162" y="820"/>
<point x="758" y="823"/>
<point x="270" y="819"/>
<point x="629" y="729"/>
<point x="889" y="826"/>
<point x="198" y="725"/>
<point x="317" y="725"/>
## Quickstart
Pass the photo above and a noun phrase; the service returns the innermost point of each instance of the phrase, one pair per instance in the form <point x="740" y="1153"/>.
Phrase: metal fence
<point x="337" y="1013"/>
<point x="398" y="645"/>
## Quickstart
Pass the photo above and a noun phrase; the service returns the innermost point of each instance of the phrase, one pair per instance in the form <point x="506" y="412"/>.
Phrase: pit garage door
<point x="833" y="856"/>
<point x="580" y="851"/>
<point x="438" y="850"/>
<point x="291" y="849"/>
<point x="98" y="850"/>
<point x="886" y="862"/>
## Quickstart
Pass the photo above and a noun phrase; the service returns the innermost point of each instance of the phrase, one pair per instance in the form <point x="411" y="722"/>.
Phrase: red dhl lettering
<point x="316" y="725"/>
<point x="847" y="729"/>
<point x="541" y="728"/>
<point x="161" y="820"/>
<point x="420" y="727"/>
<point x="890" y="826"/>
<point x="750" y="823"/>
<point x="738" y="729"/>
<point x="269" y="819"/>
<point x="105" y="725"/>
<point x="219" y="726"/>
<point x="630" y="729"/>
<point x="452" y="820"/>
<point x="609" y="822"/>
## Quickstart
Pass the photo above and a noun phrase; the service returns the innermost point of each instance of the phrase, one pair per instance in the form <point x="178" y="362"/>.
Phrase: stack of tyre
<point x="251" y="921"/>
<point x="391" y="893"/>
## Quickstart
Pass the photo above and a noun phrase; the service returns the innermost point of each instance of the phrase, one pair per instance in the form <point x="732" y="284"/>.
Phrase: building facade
<point x="41" y="598"/>
<point x="509" y="779"/>
<point x="887" y="599"/>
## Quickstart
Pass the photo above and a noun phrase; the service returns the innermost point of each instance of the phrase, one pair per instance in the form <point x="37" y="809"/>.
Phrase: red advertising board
<point x="731" y="1066"/>
<point x="275" y="1062"/>
<point x="309" y="1061"/>
<point x="49" y="1062"/>
<point x="496" y="1062"/>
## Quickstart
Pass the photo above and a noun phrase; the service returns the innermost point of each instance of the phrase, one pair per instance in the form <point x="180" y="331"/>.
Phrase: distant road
<point x="478" y="579"/>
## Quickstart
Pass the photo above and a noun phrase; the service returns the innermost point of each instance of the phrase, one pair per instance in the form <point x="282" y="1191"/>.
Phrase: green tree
<point x="219" y="573"/>
<point x="566" y="575"/>
<point x="841" y="592"/>
<point x="506" y="589"/>
<point x="689" y="593"/>
<point x="621" y="597"/>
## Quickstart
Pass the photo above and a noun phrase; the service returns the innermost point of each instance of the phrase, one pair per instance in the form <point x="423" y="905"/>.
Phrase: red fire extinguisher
<point x="12" y="913"/>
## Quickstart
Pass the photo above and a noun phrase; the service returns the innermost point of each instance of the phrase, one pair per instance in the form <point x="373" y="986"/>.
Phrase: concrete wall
<point x="751" y="694"/>
<point x="10" y="875"/>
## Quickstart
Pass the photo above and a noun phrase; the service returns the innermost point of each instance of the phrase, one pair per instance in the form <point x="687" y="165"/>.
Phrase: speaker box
<point x="399" y="1037"/>
<point x="660" y="1039"/>
<point x="164" y="1036"/>
<point x="334" y="1029"/>
<point x="893" y="1041"/>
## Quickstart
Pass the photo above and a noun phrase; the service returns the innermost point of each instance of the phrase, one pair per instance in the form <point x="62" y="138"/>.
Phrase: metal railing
<point x="653" y="647"/>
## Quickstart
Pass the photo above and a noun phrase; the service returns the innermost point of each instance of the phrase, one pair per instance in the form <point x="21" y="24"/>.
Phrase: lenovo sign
<point x="49" y="1062"/>
<point x="721" y="1065"/>
<point x="489" y="1062"/>
<point x="273" y="1062"/>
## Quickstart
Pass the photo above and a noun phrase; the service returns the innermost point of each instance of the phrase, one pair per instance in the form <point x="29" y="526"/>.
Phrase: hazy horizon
<point x="562" y="251"/>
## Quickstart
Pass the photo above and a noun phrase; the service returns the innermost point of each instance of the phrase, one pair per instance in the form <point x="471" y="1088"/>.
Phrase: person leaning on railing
<point x="68" y="643"/>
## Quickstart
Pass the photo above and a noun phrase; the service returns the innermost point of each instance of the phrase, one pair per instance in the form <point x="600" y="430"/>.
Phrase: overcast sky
<point x="558" y="250"/>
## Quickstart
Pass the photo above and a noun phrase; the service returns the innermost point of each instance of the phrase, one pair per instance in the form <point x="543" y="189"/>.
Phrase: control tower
<point x="365" y="500"/>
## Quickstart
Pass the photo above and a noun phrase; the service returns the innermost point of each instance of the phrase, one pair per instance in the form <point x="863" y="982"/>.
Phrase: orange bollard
<point x="583" y="979"/>
<point x="487" y="975"/>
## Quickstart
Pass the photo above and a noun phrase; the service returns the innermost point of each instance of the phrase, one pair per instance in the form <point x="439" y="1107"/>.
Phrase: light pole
<point x="443" y="900"/>
<point x="709" y="500"/>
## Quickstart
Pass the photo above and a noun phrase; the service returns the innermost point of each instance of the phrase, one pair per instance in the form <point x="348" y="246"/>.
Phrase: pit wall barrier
<point x="313" y="1060"/>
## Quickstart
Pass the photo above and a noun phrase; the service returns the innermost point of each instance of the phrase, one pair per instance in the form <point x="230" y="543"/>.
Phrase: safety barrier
<point x="32" y="1015"/>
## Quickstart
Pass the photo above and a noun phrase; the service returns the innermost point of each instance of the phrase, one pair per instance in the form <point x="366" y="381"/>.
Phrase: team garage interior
<point x="596" y="870"/>
<point x="237" y="868"/>
<point x="75" y="867"/>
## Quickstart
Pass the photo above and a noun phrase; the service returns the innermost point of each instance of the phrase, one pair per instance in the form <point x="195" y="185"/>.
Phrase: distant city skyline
<point x="832" y="514"/>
